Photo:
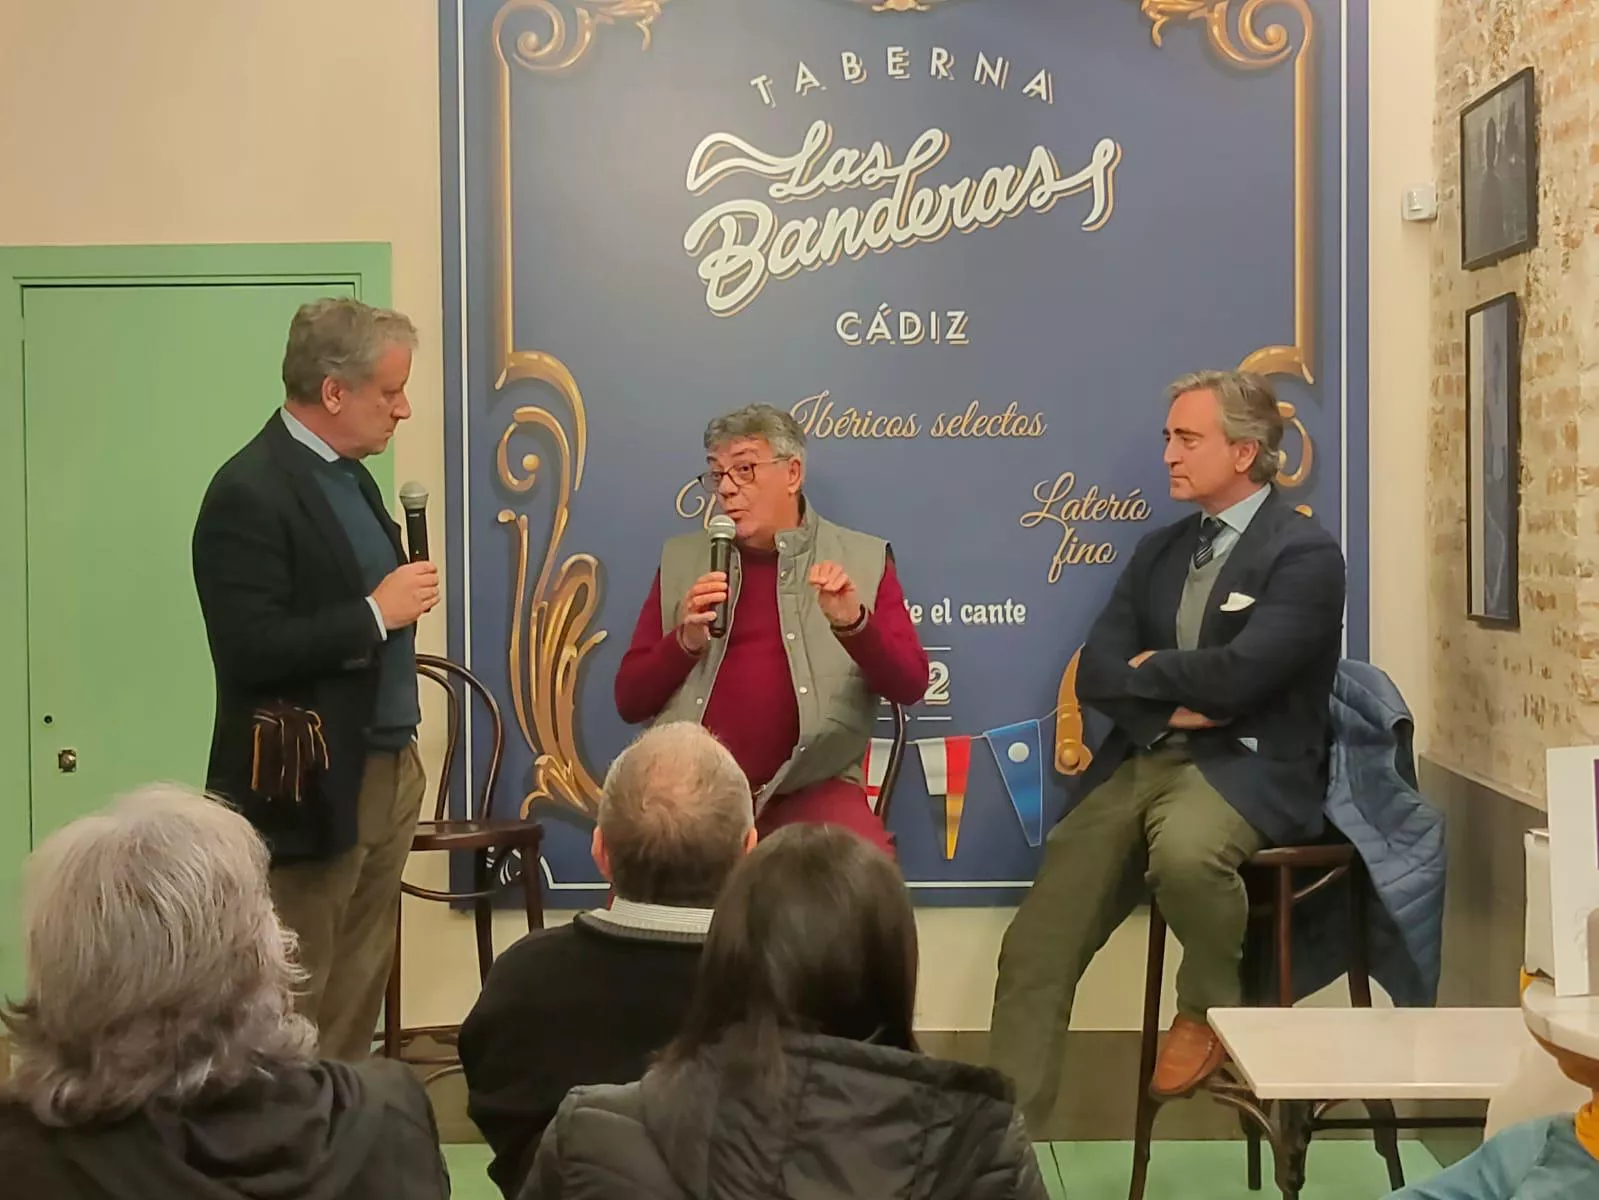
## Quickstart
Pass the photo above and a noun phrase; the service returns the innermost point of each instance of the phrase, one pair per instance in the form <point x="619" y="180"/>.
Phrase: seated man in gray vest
<point x="1214" y="659"/>
<point x="817" y="631"/>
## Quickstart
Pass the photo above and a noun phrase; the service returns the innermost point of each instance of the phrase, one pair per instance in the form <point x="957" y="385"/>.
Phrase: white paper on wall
<point x="1573" y="775"/>
<point x="1539" y="956"/>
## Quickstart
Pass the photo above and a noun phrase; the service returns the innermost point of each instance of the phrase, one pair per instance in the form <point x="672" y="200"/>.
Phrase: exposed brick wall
<point x="1501" y="698"/>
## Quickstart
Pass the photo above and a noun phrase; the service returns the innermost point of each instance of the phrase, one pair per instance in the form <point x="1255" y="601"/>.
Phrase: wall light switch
<point x="1420" y="203"/>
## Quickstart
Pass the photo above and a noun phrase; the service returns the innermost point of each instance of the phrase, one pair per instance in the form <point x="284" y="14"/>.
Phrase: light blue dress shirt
<point x="1236" y="519"/>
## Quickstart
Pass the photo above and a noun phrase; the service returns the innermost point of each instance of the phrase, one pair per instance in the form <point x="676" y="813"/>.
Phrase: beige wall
<point x="317" y="120"/>
<point x="1403" y="38"/>
<point x="1501" y="698"/>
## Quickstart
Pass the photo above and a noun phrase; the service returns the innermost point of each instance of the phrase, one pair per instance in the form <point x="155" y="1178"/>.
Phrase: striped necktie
<point x="1209" y="530"/>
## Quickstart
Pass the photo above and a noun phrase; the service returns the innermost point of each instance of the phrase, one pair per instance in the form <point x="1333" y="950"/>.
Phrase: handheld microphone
<point x="722" y="531"/>
<point x="414" y="500"/>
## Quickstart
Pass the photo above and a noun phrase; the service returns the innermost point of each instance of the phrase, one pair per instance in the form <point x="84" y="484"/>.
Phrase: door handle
<point x="67" y="761"/>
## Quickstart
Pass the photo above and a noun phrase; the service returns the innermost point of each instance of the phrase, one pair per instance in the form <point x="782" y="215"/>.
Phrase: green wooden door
<point x="132" y="397"/>
<point x="134" y="390"/>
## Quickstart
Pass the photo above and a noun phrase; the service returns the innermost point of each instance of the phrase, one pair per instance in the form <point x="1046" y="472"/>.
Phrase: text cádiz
<point x="740" y="243"/>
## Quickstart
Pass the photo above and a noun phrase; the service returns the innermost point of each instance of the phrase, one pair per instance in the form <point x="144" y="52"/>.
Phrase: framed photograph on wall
<point x="1493" y="460"/>
<point x="1499" y="173"/>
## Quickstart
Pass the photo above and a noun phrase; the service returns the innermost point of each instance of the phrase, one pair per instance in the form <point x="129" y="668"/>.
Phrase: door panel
<point x="133" y="396"/>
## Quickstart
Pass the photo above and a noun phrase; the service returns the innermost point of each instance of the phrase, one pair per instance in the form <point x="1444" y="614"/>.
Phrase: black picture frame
<point x="1499" y="172"/>
<point x="1493" y="462"/>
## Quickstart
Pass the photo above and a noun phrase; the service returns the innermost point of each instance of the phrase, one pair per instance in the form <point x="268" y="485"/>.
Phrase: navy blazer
<point x="287" y="618"/>
<point x="1266" y="669"/>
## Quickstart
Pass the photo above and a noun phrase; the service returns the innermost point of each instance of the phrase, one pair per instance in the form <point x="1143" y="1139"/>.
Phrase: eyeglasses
<point x="742" y="474"/>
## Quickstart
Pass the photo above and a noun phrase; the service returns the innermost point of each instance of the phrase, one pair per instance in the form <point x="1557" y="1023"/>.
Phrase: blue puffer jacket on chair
<point x="1373" y="800"/>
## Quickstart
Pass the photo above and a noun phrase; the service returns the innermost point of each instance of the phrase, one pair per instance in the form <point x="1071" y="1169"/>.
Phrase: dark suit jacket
<point x="287" y="617"/>
<point x="1266" y="670"/>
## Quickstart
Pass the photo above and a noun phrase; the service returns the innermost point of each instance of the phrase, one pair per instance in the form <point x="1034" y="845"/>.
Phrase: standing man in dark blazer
<point x="310" y="609"/>
<point x="1215" y="660"/>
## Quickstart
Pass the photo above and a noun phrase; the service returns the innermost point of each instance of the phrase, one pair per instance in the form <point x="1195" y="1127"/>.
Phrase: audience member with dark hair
<point x="796" y="1072"/>
<point x="157" y="1052"/>
<point x="592" y="1001"/>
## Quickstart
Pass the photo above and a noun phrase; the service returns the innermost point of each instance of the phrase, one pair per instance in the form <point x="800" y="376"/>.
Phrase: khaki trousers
<point x="1153" y="826"/>
<point x="344" y="909"/>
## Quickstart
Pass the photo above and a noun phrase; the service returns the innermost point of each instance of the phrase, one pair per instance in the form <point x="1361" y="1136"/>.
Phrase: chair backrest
<point x="460" y="688"/>
<point x="896" y="756"/>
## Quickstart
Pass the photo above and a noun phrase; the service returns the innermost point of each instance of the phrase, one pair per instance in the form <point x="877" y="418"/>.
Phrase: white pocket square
<point x="1237" y="602"/>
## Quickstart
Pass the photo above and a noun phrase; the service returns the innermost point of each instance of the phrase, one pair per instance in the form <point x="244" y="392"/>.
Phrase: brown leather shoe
<point x="1191" y="1054"/>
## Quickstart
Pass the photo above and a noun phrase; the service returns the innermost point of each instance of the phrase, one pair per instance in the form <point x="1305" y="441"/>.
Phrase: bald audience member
<point x="592" y="1001"/>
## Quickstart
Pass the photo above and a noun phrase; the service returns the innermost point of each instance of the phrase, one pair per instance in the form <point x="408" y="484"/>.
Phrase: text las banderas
<point x="741" y="245"/>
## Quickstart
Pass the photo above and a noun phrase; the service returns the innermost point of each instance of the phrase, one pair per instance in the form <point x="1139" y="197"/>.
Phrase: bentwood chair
<point x="896" y="759"/>
<point x="498" y="845"/>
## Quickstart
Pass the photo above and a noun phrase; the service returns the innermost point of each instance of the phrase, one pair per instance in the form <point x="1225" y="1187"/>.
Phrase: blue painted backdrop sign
<point x="967" y="245"/>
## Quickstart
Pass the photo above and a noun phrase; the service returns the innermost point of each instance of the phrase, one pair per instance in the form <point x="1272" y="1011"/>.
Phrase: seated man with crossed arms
<point x="1214" y="659"/>
<point x="817" y="632"/>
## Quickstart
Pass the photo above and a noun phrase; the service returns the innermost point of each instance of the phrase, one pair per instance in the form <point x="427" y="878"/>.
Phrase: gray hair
<point x="781" y="431"/>
<point x="675" y="815"/>
<point x="157" y="967"/>
<point x="341" y="339"/>
<point x="1249" y="413"/>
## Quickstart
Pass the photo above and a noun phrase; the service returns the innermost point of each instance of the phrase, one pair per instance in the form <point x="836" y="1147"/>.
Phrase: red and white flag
<point x="945" y="763"/>
<point x="876" y="766"/>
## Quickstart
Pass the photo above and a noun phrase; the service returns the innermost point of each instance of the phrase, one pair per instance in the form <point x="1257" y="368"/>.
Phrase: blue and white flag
<point x="1018" y="749"/>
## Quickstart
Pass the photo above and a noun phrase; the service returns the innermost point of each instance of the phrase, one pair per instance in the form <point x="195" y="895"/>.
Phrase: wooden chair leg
<point x="1283" y="920"/>
<point x="483" y="915"/>
<point x="533" y="892"/>
<point x="1143" y="1138"/>
<point x="1252" y="1159"/>
<point x="1256" y="993"/>
<point x="392" y="1030"/>
<point x="1148" y="1105"/>
<point x="1359" y="963"/>
<point x="1385" y="1139"/>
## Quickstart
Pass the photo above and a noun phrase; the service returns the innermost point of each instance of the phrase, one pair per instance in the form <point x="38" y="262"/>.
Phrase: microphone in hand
<point x="414" y="500"/>
<point x="722" y="531"/>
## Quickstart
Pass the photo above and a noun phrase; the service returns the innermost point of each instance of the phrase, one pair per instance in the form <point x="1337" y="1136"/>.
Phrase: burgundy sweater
<point x="753" y="709"/>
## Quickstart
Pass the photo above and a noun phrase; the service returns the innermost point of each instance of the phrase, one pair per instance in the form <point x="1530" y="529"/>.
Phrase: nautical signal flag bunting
<point x="877" y="768"/>
<point x="946" y="762"/>
<point x="1018" y="749"/>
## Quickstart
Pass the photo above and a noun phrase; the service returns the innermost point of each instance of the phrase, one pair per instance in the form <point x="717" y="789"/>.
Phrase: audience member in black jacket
<point x="796" y="1073"/>
<point x="593" y="1001"/>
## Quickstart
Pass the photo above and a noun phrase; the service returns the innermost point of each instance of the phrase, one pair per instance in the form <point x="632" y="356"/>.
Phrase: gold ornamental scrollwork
<point x="1244" y="38"/>
<point x="567" y="39"/>
<point x="550" y="636"/>
<point x="1307" y="456"/>
<point x="1072" y="754"/>
<point x="901" y="6"/>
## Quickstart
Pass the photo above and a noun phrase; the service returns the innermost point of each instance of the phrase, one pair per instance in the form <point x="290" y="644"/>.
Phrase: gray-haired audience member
<point x="591" y="1002"/>
<point x="157" y="1053"/>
